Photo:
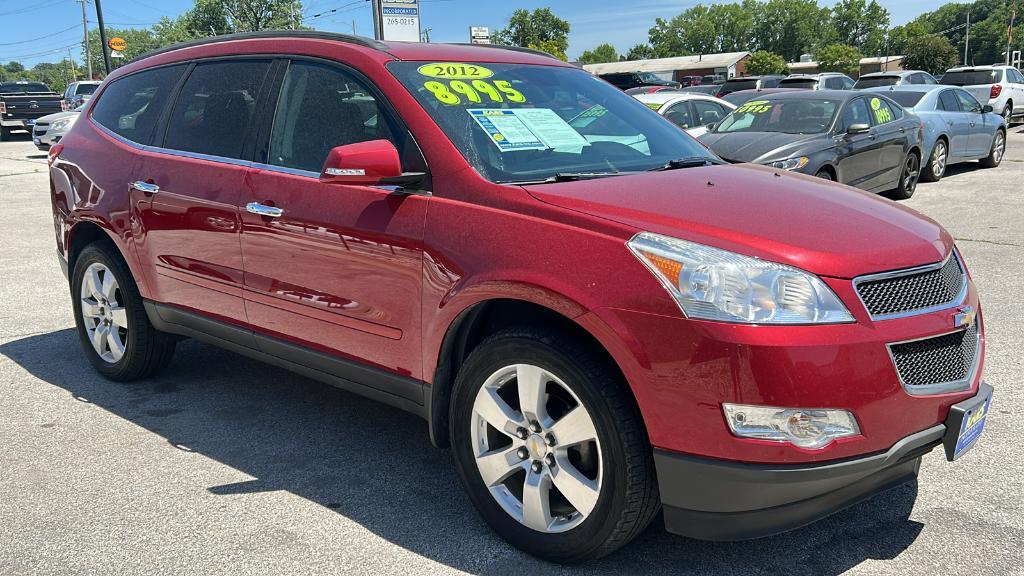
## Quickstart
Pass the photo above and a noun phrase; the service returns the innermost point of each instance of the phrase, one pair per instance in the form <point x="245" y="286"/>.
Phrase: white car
<point x="690" y="111"/>
<point x="1001" y="87"/>
<point x="49" y="129"/>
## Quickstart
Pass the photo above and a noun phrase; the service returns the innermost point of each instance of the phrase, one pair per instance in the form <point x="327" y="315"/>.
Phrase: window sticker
<point x="653" y="105"/>
<point x="454" y="70"/>
<point x="455" y="92"/>
<point x="527" y="129"/>
<point x="588" y="116"/>
<point x="882" y="113"/>
<point x="755" y="107"/>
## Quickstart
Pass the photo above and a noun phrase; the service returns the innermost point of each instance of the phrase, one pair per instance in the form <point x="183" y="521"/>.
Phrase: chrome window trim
<point x="957" y="300"/>
<point x="939" y="387"/>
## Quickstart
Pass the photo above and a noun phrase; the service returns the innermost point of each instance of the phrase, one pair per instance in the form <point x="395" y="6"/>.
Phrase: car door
<point x="187" y="188"/>
<point x="978" y="140"/>
<point x="339" y="268"/>
<point x="891" y="136"/>
<point x="957" y="124"/>
<point x="857" y="157"/>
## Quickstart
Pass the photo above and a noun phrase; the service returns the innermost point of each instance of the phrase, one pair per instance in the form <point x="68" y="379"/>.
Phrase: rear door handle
<point x="145" y="187"/>
<point x="262" y="210"/>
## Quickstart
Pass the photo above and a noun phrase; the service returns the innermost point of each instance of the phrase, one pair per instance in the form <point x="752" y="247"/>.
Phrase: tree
<point x="763" y="62"/>
<point x="862" y="24"/>
<point x="839" y="58"/>
<point x="790" y="27"/>
<point x="254" y="15"/>
<point x="900" y="35"/>
<point x="138" y="40"/>
<point x="933" y="54"/>
<point x="537" y="29"/>
<point x="640" y="52"/>
<point x="603" y="53"/>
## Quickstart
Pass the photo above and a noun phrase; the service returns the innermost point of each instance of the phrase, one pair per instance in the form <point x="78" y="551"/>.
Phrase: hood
<point x="51" y="118"/>
<point x="761" y="147"/>
<point x="822" y="227"/>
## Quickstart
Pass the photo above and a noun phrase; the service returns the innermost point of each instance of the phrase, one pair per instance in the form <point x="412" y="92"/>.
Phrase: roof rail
<point x="504" y="47"/>
<point x="313" y="34"/>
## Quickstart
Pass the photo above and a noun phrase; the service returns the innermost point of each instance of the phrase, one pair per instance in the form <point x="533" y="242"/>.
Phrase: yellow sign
<point x="117" y="44"/>
<point x="497" y="91"/>
<point x="454" y="71"/>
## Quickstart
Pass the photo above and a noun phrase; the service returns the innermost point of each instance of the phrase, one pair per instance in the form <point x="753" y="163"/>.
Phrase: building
<point x="728" y="64"/>
<point x="867" y="65"/>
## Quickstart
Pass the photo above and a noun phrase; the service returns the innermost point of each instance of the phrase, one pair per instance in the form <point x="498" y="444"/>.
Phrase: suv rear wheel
<point x="550" y="446"/>
<point x="112" y="324"/>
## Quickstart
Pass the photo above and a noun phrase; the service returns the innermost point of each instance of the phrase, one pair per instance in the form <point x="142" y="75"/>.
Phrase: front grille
<point x="947" y="359"/>
<point x="39" y="129"/>
<point x="913" y="290"/>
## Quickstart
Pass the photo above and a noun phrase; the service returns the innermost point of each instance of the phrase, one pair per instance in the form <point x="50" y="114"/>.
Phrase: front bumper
<point x="721" y="500"/>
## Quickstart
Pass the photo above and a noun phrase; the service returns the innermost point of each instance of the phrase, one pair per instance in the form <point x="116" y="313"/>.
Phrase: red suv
<point x="597" y="315"/>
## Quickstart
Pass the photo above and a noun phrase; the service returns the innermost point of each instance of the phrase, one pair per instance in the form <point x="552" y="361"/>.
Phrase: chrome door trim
<point x="263" y="210"/>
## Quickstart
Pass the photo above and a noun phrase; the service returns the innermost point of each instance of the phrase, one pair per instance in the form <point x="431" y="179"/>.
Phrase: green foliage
<point x="640" y="52"/>
<point x="763" y="62"/>
<point x="989" y="19"/>
<point x="932" y="54"/>
<point x="537" y="29"/>
<point x="862" y="24"/>
<point x="839" y="58"/>
<point x="254" y="15"/>
<point x="603" y="53"/>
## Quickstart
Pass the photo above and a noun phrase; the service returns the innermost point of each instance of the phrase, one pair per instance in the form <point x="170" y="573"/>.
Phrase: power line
<point x="32" y="8"/>
<point x="39" y="38"/>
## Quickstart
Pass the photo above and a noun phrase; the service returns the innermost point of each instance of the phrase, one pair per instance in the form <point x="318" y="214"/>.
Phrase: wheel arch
<point x="471" y="326"/>
<point x="83" y="233"/>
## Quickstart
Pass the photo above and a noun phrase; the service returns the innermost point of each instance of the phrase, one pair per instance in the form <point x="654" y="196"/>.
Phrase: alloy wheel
<point x="999" y="147"/>
<point x="939" y="159"/>
<point x="910" y="174"/>
<point x="536" y="448"/>
<point x="103" y="313"/>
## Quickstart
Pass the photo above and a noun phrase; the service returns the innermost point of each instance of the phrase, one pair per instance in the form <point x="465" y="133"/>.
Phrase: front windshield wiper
<point x="687" y="162"/>
<point x="574" y="176"/>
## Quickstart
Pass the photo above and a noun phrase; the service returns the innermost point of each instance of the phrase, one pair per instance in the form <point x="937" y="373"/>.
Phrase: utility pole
<point x="74" y="69"/>
<point x="353" y="27"/>
<point x="85" y="37"/>
<point x="378" y="26"/>
<point x="1009" y="34"/>
<point x="103" y="36"/>
<point x="967" y="37"/>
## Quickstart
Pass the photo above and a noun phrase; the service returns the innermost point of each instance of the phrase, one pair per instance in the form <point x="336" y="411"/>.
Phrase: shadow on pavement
<point x="374" y="465"/>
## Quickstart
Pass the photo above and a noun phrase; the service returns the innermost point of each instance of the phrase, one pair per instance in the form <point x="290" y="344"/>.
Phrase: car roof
<point x="663" y="98"/>
<point x="814" y="95"/>
<point x="981" y="67"/>
<point x="909" y="88"/>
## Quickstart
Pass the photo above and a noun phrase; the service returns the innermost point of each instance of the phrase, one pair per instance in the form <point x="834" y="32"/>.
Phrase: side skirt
<point x="398" y="391"/>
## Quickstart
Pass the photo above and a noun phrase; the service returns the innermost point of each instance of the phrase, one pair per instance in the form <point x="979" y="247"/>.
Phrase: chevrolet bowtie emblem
<point x="964" y="317"/>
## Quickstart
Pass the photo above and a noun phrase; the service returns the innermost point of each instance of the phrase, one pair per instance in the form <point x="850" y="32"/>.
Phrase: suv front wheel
<point x="550" y="446"/>
<point x="112" y="324"/>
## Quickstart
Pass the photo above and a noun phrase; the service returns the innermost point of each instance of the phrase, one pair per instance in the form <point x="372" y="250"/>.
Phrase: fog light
<point x="803" y="427"/>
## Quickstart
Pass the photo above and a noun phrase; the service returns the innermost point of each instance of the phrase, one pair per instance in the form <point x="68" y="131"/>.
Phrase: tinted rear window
<point x="876" y="81"/>
<point x="131" y="106"/>
<point x="215" y="108"/>
<point x="906" y="99"/>
<point x="86" y="89"/>
<point x="972" y="77"/>
<point x="809" y="83"/>
<point x="736" y="85"/>
<point x="19" y="88"/>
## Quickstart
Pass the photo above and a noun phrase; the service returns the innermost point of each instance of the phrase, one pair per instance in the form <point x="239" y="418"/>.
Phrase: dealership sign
<point x="400" y="20"/>
<point x="479" y="35"/>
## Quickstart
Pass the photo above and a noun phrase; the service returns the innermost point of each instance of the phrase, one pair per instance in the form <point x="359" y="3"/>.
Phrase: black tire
<point x="937" y="162"/>
<point x="996" y="152"/>
<point x="4" y="134"/>
<point x="909" y="175"/>
<point x="628" y="498"/>
<point x="146" y="350"/>
<point x="824" y="175"/>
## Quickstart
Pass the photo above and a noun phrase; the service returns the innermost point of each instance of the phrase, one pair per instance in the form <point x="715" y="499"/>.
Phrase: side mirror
<point x="362" y="164"/>
<point x="986" y="108"/>
<point x="857" y="129"/>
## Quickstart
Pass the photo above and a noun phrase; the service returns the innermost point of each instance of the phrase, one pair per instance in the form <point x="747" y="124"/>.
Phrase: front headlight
<point x="63" y="124"/>
<point x="713" y="284"/>
<point x="791" y="163"/>
<point x="806" y="428"/>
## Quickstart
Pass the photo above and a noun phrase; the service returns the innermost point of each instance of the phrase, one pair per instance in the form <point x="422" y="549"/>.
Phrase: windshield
<point x="971" y="77"/>
<point x="22" y="88"/>
<point x="791" y="116"/>
<point x="874" y="81"/>
<point x="809" y="83"/>
<point x="525" y="123"/>
<point x="905" y="99"/>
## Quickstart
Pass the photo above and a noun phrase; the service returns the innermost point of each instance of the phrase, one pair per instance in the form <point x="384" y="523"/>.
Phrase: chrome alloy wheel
<point x="939" y="159"/>
<point x="910" y="174"/>
<point x="999" y="147"/>
<point x="536" y="448"/>
<point x="103" y="313"/>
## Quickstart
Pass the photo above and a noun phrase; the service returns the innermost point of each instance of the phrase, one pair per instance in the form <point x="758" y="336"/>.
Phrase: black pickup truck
<point x="22" y="102"/>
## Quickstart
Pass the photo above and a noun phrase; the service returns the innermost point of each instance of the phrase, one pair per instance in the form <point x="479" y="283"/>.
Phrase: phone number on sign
<point x="400" y="21"/>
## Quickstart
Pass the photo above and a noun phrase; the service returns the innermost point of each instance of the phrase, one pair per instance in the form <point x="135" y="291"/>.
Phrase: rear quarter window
<point x="131" y="106"/>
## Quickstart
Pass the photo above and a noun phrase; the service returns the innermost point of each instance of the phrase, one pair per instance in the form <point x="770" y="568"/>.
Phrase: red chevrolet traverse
<point x="599" y="317"/>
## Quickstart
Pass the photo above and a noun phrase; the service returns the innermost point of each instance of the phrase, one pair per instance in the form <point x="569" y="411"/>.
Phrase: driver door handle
<point x="263" y="210"/>
<point x="145" y="187"/>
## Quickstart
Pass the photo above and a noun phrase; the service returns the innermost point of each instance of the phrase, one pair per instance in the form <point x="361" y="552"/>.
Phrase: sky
<point x="34" y="31"/>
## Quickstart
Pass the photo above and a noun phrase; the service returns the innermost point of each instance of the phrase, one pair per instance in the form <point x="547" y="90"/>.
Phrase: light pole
<point x="103" y="36"/>
<point x="85" y="35"/>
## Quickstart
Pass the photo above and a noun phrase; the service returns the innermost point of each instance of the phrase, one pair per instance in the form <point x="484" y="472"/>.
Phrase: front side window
<point x="708" y="112"/>
<point x="967" y="102"/>
<point x="321" y="107"/>
<point x="215" y="108"/>
<point x="679" y="114"/>
<point x="131" y="106"/>
<point x="525" y="123"/>
<point x="786" y="115"/>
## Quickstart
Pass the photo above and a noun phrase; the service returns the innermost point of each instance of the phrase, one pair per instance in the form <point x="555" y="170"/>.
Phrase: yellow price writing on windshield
<point x="755" y="107"/>
<point x="454" y="70"/>
<point x="454" y="92"/>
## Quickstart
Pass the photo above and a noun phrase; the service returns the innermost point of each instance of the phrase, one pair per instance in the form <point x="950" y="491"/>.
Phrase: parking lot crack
<point x="990" y="242"/>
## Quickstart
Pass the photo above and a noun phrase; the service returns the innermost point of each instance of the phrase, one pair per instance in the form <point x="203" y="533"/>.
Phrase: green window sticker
<point x="653" y="106"/>
<point x="454" y="71"/>
<point x="755" y="107"/>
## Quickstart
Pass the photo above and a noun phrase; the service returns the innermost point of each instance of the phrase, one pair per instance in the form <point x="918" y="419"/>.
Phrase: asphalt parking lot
<point x="222" y="465"/>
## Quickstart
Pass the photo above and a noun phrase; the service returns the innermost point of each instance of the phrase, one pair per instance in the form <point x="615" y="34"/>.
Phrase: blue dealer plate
<point x="965" y="423"/>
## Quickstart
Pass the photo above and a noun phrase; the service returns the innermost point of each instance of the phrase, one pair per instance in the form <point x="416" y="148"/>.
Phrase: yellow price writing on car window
<point x="454" y="92"/>
<point x="755" y="107"/>
<point x="454" y="70"/>
<point x="882" y="113"/>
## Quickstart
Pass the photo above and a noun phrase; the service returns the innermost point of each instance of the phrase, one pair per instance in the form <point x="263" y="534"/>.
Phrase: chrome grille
<point x="39" y="129"/>
<point x="945" y="361"/>
<point x="913" y="290"/>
